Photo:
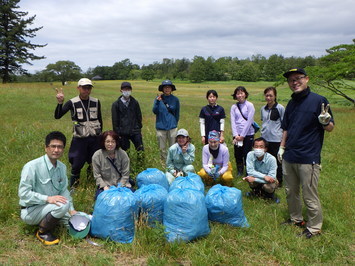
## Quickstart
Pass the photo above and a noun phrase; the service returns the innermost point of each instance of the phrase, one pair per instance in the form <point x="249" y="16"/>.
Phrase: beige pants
<point x="164" y="137"/>
<point x="305" y="176"/>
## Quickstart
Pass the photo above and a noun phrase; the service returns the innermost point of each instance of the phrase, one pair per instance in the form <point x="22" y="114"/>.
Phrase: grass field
<point x="27" y="115"/>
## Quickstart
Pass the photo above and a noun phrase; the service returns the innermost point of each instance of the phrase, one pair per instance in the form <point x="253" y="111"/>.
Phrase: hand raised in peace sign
<point x="324" y="117"/>
<point x="60" y="95"/>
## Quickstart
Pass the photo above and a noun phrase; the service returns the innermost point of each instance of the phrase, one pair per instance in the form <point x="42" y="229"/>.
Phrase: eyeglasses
<point x="297" y="79"/>
<point x="53" y="147"/>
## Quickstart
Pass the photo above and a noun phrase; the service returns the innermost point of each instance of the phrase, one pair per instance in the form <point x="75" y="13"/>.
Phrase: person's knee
<point x="189" y="169"/>
<point x="61" y="210"/>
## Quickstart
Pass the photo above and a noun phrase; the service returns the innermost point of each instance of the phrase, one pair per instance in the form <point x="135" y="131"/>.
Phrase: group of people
<point x="288" y="150"/>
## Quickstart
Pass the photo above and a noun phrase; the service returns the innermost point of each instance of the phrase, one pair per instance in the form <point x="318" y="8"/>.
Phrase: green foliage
<point x="14" y="48"/>
<point x="63" y="71"/>
<point x="335" y="69"/>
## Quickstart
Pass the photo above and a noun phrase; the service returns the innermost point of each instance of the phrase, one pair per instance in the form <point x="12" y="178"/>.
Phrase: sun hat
<point x="166" y="83"/>
<point x="79" y="225"/>
<point x="84" y="82"/>
<point x="294" y="70"/>
<point x="182" y="132"/>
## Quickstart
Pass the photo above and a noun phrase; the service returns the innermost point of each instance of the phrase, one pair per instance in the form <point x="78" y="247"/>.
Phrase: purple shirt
<point x="241" y="127"/>
<point x="221" y="160"/>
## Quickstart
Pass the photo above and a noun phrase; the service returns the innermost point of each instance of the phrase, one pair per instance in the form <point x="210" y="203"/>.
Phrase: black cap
<point x="166" y="83"/>
<point x="126" y="85"/>
<point x="294" y="70"/>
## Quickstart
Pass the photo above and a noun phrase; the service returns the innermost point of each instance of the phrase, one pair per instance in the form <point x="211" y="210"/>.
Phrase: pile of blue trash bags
<point x="182" y="208"/>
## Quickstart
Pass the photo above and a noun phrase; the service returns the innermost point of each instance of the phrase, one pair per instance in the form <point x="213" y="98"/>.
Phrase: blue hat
<point x="213" y="135"/>
<point x="166" y="83"/>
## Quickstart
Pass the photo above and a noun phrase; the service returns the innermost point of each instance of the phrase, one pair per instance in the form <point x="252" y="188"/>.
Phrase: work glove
<point x="280" y="154"/>
<point x="324" y="117"/>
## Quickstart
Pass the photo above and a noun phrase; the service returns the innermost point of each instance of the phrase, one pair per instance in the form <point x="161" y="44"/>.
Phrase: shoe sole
<point x="47" y="243"/>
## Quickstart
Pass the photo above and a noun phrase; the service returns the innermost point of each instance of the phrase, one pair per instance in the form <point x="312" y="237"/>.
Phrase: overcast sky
<point x="92" y="32"/>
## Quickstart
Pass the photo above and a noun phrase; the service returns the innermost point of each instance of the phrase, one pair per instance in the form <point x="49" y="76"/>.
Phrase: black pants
<point x="273" y="149"/>
<point x="240" y="153"/>
<point x="81" y="151"/>
<point x="135" y="138"/>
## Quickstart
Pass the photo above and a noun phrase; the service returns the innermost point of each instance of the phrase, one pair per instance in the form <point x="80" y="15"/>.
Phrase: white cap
<point x="84" y="81"/>
<point x="182" y="132"/>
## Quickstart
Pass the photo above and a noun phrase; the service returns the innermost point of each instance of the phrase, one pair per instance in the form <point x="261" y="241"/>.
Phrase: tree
<point x="198" y="70"/>
<point x="335" y="69"/>
<point x="14" y="48"/>
<point x="64" y="70"/>
<point x="147" y="73"/>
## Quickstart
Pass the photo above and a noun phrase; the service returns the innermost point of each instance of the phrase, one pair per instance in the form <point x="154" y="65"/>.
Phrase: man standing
<point x="166" y="107"/>
<point x="44" y="197"/>
<point x="86" y="116"/>
<point x="127" y="119"/>
<point x="261" y="169"/>
<point x="306" y="117"/>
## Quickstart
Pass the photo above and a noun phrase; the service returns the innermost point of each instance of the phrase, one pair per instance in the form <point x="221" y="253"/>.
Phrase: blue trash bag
<point x="114" y="213"/>
<point x="150" y="201"/>
<point x="185" y="215"/>
<point x="152" y="176"/>
<point x="224" y="205"/>
<point x="192" y="181"/>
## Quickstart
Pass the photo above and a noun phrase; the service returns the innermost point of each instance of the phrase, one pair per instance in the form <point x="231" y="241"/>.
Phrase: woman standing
<point x="212" y="117"/>
<point x="166" y="107"/>
<point x="242" y="118"/>
<point x="110" y="163"/>
<point x="271" y="115"/>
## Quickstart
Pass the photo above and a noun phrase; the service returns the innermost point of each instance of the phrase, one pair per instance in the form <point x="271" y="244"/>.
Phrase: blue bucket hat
<point x="166" y="83"/>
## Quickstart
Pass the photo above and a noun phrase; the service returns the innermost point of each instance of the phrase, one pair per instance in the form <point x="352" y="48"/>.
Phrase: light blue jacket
<point x="40" y="179"/>
<point x="259" y="169"/>
<point x="177" y="160"/>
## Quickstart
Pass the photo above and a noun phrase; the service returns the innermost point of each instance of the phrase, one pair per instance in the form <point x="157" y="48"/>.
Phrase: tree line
<point x="197" y="70"/>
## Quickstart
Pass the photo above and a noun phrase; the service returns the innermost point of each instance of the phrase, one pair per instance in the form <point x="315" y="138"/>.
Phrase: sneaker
<point x="301" y="224"/>
<point x="307" y="234"/>
<point x="277" y="200"/>
<point x="47" y="238"/>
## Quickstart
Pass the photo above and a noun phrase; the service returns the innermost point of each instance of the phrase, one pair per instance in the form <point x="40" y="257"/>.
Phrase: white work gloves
<point x="280" y="154"/>
<point x="324" y="117"/>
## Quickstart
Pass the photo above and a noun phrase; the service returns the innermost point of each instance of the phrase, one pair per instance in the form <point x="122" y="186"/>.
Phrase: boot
<point x="44" y="232"/>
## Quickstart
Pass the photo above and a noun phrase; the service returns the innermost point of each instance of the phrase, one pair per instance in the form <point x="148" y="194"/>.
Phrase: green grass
<point x="26" y="112"/>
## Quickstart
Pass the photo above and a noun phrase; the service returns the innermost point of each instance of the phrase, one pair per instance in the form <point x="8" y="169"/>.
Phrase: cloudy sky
<point x="92" y="32"/>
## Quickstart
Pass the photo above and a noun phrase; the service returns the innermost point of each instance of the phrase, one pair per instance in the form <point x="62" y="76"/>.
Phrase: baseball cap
<point x="213" y="135"/>
<point x="126" y="85"/>
<point x="182" y="132"/>
<point x="294" y="70"/>
<point x="84" y="81"/>
<point x="166" y="83"/>
<point x="79" y="225"/>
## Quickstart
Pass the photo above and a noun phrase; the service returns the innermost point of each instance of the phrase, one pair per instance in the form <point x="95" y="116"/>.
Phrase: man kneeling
<point x="261" y="169"/>
<point x="44" y="197"/>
